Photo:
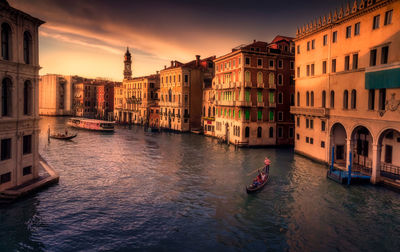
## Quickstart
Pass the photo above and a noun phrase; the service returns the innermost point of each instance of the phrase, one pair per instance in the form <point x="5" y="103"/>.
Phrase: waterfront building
<point x="94" y="99"/>
<point x="19" y="107"/>
<point x="181" y="93"/>
<point x="208" y="114"/>
<point x="253" y="89"/>
<point x="348" y="89"/>
<point x="56" y="94"/>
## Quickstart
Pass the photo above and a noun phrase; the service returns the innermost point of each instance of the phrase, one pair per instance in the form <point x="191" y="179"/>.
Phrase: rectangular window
<point x="27" y="170"/>
<point x="27" y="144"/>
<point x="312" y="69"/>
<point x="347" y="63"/>
<point x="355" y="61"/>
<point x="311" y="140"/>
<point x="323" y="126"/>
<point x="313" y="44"/>
<point x="291" y="65"/>
<point x="357" y="29"/>
<point x="297" y="136"/>
<point x="372" y="57"/>
<point x="334" y="66"/>
<point x="382" y="99"/>
<point x="322" y="144"/>
<point x="388" y="17"/>
<point x="371" y="99"/>
<point x="298" y="121"/>
<point x="291" y="132"/>
<point x="375" y="24"/>
<point x="4" y="178"/>
<point x="308" y="70"/>
<point x="311" y="124"/>
<point x="348" y="32"/>
<point x="5" y="149"/>
<point x="259" y="96"/>
<point x="307" y="139"/>
<point x="280" y="132"/>
<point x="298" y="49"/>
<point x="385" y="55"/>
<point x="271" y="116"/>
<point x="247" y="114"/>
<point x="259" y="115"/>
<point x="298" y="72"/>
<point x="325" y="40"/>
<point x="271" y="63"/>
<point x="307" y="123"/>
<point x="259" y="62"/>
<point x="308" y="45"/>
<point x="280" y="64"/>
<point x="247" y="61"/>
<point x="324" y="67"/>
<point x="334" y="37"/>
<point x="280" y="116"/>
<point x="186" y="78"/>
<point x="388" y="154"/>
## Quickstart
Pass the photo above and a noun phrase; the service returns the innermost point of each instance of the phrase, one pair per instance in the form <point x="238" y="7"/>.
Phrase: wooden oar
<point x="255" y="171"/>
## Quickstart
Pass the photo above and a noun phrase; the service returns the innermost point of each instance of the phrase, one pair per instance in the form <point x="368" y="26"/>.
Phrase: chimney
<point x="172" y="63"/>
<point x="197" y="60"/>
<point x="165" y="66"/>
<point x="254" y="41"/>
<point x="157" y="72"/>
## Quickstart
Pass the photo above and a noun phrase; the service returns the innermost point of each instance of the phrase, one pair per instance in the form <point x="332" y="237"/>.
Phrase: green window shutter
<point x="259" y="115"/>
<point x="259" y="96"/>
<point x="247" y="114"/>
<point x="240" y="114"/>
<point x="224" y="112"/>
<point x="271" y="97"/>
<point x="271" y="116"/>
<point x="229" y="113"/>
<point x="233" y="114"/>
<point x="247" y="95"/>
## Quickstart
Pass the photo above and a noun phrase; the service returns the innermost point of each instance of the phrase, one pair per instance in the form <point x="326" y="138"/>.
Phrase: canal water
<point x="181" y="192"/>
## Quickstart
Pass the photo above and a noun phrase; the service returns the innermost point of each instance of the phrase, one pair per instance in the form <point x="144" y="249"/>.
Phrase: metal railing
<point x="390" y="171"/>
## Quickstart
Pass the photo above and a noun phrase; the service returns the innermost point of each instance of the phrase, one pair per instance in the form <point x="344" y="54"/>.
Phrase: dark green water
<point x="179" y="192"/>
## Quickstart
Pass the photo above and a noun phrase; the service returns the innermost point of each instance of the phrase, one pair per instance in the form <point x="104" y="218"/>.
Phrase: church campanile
<point x="128" y="65"/>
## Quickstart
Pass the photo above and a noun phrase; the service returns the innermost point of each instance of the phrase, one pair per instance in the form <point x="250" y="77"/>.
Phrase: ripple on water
<point x="134" y="190"/>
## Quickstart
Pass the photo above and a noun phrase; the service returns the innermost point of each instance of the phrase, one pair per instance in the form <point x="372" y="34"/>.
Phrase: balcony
<point x="243" y="103"/>
<point x="260" y="104"/>
<point x="320" y="112"/>
<point x="209" y="118"/>
<point x="225" y="103"/>
<point x="272" y="104"/>
<point x="260" y="85"/>
<point x="272" y="86"/>
<point x="248" y="84"/>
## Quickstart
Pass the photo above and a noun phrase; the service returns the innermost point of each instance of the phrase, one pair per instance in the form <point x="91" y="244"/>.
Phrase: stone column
<point x="348" y="152"/>
<point x="376" y="163"/>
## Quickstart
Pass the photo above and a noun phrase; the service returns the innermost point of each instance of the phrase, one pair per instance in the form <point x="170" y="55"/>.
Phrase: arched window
<point x="271" y="132"/>
<point x="271" y="79"/>
<point x="209" y="111"/>
<point x="312" y="98"/>
<point x="6" y="97"/>
<point x="238" y="131"/>
<point x="247" y="132"/>
<point x="247" y="76"/>
<point x="353" y="99"/>
<point x="346" y="99"/>
<point x="332" y="99"/>
<point x="204" y="111"/>
<point x="259" y="77"/>
<point x="298" y="99"/>
<point x="27" y="98"/>
<point x="323" y="99"/>
<point x="259" y="132"/>
<point x="291" y="99"/>
<point x="27" y="47"/>
<point x="308" y="99"/>
<point x="170" y="95"/>
<point x="213" y="111"/>
<point x="5" y="41"/>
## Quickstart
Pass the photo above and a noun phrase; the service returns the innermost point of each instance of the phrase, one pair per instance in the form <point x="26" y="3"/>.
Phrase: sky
<point x="89" y="37"/>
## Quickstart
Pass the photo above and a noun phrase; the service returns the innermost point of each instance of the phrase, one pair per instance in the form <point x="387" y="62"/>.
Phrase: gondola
<point x="252" y="188"/>
<point x="63" y="137"/>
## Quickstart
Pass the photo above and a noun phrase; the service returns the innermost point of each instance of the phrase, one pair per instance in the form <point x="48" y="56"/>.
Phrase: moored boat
<point x="91" y="124"/>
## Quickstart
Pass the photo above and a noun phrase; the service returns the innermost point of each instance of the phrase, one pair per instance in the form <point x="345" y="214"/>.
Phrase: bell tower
<point x="128" y="65"/>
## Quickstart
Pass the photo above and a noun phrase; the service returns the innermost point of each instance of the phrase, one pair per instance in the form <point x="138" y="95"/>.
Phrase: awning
<point x="389" y="78"/>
